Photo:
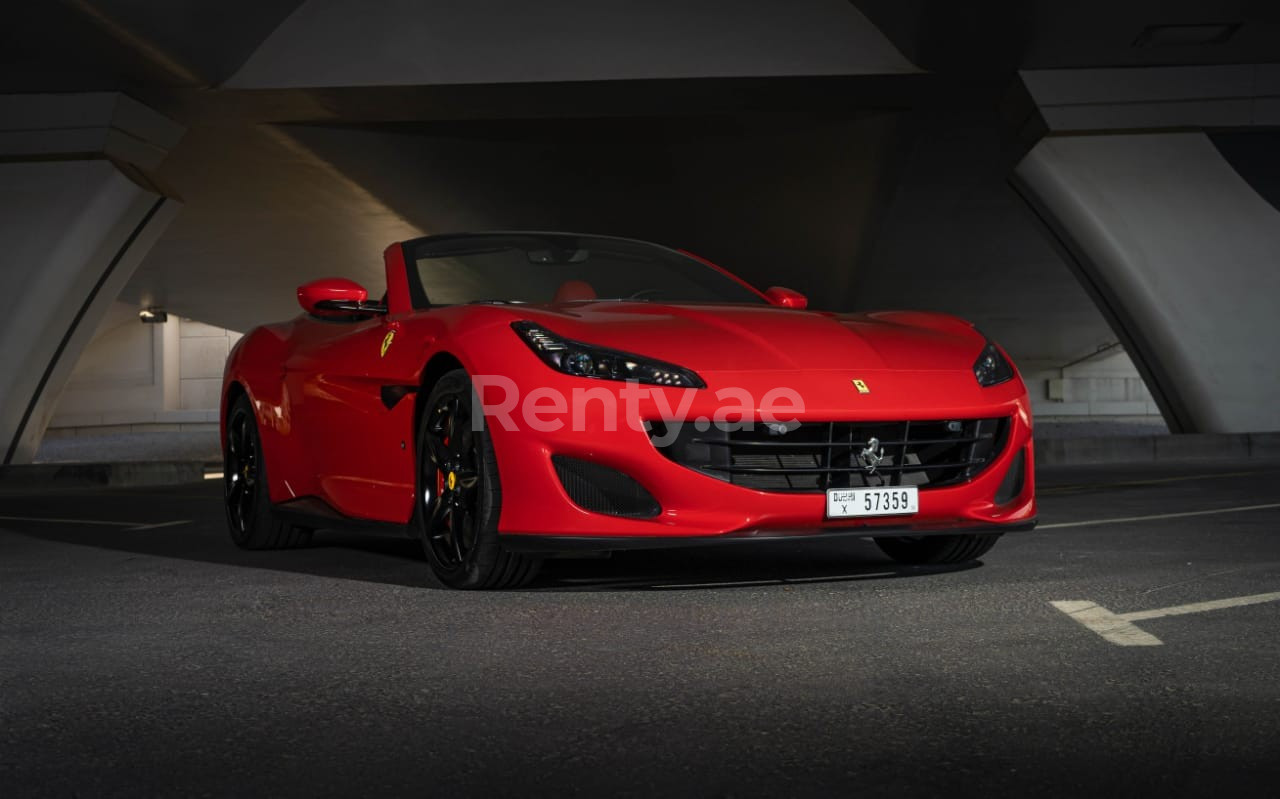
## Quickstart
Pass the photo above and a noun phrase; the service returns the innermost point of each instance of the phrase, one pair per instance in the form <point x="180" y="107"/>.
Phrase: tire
<point x="938" y="549"/>
<point x="245" y="497"/>
<point x="459" y="496"/>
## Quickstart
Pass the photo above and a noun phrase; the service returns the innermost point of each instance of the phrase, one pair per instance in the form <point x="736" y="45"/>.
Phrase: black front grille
<point x="815" y="456"/>
<point x="603" y="490"/>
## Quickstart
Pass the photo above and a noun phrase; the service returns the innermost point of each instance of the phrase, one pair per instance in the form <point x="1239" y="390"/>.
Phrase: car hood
<point x="708" y="337"/>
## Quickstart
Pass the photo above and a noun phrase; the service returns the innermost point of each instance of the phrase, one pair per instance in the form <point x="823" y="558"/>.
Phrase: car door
<point x="357" y="446"/>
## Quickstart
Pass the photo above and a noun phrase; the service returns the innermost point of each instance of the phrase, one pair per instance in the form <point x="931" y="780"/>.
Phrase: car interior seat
<point x="574" y="291"/>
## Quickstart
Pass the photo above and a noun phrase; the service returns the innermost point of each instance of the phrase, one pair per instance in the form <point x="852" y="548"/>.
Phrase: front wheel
<point x="459" y="496"/>
<point x="938" y="549"/>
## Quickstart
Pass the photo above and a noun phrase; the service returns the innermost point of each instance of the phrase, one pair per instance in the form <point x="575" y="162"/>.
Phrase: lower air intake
<point x="600" y="489"/>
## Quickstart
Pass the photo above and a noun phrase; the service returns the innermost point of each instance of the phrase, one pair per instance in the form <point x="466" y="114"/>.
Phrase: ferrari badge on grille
<point x="872" y="455"/>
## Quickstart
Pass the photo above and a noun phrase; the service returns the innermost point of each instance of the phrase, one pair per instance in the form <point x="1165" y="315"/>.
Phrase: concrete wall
<point x="1107" y="385"/>
<point x="426" y="42"/>
<point x="120" y="372"/>
<point x="203" y="353"/>
<point x="137" y="377"/>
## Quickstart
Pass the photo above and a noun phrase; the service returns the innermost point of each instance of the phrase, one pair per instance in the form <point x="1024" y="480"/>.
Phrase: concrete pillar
<point x="77" y="215"/>
<point x="1183" y="256"/>
<point x="1180" y="253"/>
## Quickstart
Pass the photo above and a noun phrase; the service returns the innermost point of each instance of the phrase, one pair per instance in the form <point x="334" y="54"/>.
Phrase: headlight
<point x="587" y="360"/>
<point x="992" y="368"/>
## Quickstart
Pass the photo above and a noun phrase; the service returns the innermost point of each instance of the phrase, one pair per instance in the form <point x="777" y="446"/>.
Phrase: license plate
<point x="845" y="503"/>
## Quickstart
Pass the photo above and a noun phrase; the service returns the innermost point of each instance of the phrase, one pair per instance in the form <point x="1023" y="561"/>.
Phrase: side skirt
<point x="317" y="514"/>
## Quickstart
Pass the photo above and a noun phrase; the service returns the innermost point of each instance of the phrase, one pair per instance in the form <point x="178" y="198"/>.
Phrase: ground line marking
<point x="774" y="581"/>
<point x="1113" y="628"/>
<point x="1119" y="628"/>
<point x="158" y="525"/>
<point x="1201" y="607"/>
<point x="1184" y="514"/>
<point x="102" y="522"/>
<point x="66" y="521"/>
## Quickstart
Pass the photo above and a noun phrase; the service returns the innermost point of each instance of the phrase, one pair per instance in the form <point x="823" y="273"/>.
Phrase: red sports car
<point x="514" y="395"/>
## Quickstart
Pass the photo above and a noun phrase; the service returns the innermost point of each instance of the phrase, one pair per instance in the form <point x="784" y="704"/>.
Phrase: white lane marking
<point x="101" y="522"/>
<point x="161" y="524"/>
<point x="776" y="581"/>
<point x="1111" y="627"/>
<point x="1121" y="520"/>
<point x="1195" y="579"/>
<point x="213" y="475"/>
<point x="66" y="521"/>
<point x="1119" y="628"/>
<point x="1201" y="607"/>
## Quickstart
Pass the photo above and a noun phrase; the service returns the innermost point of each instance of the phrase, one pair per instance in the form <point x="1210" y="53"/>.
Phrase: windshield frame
<point x="450" y="243"/>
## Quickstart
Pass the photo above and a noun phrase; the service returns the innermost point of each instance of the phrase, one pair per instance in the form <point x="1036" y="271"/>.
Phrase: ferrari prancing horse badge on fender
<point x="386" y="342"/>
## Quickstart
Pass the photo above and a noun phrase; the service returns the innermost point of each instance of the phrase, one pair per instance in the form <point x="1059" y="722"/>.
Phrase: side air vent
<point x="1011" y="485"/>
<point x="600" y="489"/>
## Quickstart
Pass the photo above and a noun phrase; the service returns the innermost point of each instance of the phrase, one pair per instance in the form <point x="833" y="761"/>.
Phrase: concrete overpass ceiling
<point x="131" y="45"/>
<point x="943" y="35"/>
<point x="327" y="43"/>
<point x="266" y="210"/>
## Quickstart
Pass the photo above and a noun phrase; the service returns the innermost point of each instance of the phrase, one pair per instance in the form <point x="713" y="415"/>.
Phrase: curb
<point x="133" y="474"/>
<point x="1156" y="449"/>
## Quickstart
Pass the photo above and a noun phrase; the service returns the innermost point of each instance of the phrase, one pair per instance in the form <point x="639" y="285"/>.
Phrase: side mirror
<point x="786" y="298"/>
<point x="332" y="295"/>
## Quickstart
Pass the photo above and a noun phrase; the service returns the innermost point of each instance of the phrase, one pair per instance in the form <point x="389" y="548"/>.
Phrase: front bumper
<point x="535" y="544"/>
<point x="696" y="508"/>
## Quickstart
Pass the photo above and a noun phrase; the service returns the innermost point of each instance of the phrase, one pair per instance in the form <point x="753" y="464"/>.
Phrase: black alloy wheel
<point x="244" y="480"/>
<point x="453" y="507"/>
<point x="459" y="495"/>
<point x="240" y="472"/>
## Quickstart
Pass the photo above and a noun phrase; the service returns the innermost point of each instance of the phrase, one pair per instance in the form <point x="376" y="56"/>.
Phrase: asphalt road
<point x="162" y="661"/>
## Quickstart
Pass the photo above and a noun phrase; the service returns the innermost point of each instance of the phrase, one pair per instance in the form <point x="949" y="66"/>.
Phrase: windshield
<point x="547" y="268"/>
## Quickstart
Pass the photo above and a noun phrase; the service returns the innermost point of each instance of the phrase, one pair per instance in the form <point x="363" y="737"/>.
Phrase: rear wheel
<point x="938" y="549"/>
<point x="459" y="496"/>
<point x="248" y="505"/>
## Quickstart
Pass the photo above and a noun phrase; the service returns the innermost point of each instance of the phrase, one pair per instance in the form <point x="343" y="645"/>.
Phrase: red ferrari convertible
<point x="514" y="395"/>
